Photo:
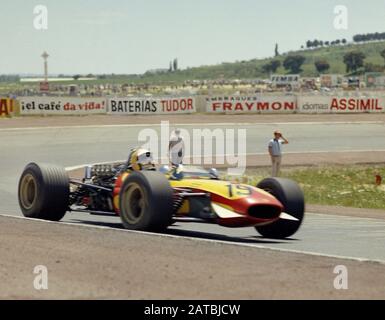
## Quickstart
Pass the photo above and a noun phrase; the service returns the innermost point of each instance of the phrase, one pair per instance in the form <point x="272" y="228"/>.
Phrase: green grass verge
<point x="348" y="186"/>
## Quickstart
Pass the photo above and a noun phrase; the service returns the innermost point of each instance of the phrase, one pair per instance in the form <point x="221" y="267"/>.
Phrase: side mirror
<point x="214" y="173"/>
<point x="164" y="169"/>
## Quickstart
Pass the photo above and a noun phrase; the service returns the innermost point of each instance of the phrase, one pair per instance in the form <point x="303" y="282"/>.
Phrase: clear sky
<point x="132" y="36"/>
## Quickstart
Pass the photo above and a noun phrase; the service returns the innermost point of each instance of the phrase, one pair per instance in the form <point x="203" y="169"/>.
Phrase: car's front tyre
<point x="291" y="197"/>
<point x="146" y="201"/>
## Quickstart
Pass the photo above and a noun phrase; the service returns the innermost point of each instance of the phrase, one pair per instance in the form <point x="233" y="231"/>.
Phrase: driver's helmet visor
<point x="145" y="158"/>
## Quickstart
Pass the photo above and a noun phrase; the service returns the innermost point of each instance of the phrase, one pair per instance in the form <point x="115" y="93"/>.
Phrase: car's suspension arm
<point x="92" y="186"/>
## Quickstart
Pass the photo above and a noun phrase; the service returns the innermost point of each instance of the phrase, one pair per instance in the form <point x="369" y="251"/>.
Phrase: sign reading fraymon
<point x="252" y="104"/>
<point x="332" y="104"/>
<point x="136" y="105"/>
<point x="61" y="105"/>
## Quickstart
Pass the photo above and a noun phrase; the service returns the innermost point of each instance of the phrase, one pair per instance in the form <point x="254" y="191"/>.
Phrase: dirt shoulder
<point x="48" y="121"/>
<point x="86" y="263"/>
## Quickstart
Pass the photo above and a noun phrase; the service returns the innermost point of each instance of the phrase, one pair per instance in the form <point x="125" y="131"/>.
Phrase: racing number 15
<point x="239" y="190"/>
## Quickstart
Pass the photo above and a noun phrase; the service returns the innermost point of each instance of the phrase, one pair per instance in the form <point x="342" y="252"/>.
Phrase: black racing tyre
<point x="146" y="201"/>
<point x="291" y="196"/>
<point x="44" y="192"/>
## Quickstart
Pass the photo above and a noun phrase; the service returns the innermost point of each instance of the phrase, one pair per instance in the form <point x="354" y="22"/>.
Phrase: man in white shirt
<point x="275" y="151"/>
<point x="176" y="148"/>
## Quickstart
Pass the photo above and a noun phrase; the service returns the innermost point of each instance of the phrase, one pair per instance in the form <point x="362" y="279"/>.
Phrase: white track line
<point x="162" y="235"/>
<point x="191" y="124"/>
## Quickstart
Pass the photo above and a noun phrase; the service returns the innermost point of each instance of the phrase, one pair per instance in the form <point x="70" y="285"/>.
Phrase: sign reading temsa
<point x="252" y="104"/>
<point x="285" y="79"/>
<point x="151" y="105"/>
<point x="61" y="105"/>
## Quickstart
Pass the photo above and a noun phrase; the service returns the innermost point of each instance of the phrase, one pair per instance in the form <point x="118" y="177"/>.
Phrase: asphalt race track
<point x="338" y="236"/>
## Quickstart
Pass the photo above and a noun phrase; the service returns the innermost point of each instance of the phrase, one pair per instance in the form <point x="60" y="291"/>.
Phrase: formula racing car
<point x="149" y="198"/>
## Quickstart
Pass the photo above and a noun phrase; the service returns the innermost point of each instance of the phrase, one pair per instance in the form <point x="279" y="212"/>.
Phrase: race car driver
<point x="140" y="159"/>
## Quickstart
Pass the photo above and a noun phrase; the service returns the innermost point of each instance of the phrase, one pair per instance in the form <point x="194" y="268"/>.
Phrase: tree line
<point x="9" y="78"/>
<point x="320" y="43"/>
<point x="354" y="61"/>
<point x="376" y="36"/>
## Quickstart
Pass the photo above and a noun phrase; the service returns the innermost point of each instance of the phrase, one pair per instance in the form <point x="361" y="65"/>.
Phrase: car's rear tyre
<point x="146" y="201"/>
<point x="44" y="192"/>
<point x="291" y="196"/>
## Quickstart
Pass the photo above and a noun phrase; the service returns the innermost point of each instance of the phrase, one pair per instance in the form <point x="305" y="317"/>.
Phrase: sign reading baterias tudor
<point x="61" y="105"/>
<point x="330" y="104"/>
<point x="252" y="104"/>
<point x="151" y="105"/>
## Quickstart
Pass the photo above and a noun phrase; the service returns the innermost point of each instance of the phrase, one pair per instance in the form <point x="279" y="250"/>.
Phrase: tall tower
<point x="45" y="57"/>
